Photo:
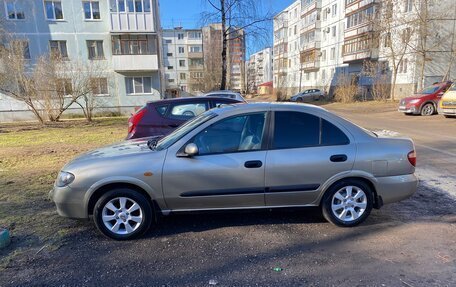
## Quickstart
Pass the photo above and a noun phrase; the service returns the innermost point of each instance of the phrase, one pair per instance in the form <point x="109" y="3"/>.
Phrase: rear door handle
<point x="253" y="164"/>
<point x="338" y="158"/>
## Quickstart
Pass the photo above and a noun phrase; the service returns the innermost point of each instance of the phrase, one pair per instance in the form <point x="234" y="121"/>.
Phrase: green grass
<point x="30" y="157"/>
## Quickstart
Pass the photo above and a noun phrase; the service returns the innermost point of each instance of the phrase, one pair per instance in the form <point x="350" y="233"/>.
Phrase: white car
<point x="226" y="94"/>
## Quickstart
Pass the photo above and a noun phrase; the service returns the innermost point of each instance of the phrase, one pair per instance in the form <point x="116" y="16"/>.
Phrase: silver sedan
<point x="239" y="157"/>
<point x="308" y="96"/>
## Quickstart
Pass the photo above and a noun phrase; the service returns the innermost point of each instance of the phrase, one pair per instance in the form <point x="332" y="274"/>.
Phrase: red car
<point x="160" y="118"/>
<point x="424" y="103"/>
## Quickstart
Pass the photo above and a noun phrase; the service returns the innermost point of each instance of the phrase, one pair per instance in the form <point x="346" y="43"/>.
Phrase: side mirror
<point x="190" y="150"/>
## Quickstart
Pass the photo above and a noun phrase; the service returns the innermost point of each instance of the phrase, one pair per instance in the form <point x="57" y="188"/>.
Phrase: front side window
<point x="99" y="86"/>
<point x="138" y="85"/>
<point x="91" y="10"/>
<point x="313" y="131"/>
<point x="14" y="10"/>
<point x="59" y="49"/>
<point x="53" y="10"/>
<point x="95" y="50"/>
<point x="239" y="133"/>
<point x="187" y="111"/>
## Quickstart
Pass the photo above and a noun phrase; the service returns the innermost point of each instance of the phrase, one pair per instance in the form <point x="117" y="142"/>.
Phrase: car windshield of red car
<point x="429" y="90"/>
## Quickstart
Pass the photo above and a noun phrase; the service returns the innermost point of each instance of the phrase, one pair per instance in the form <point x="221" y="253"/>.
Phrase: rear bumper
<point x="396" y="188"/>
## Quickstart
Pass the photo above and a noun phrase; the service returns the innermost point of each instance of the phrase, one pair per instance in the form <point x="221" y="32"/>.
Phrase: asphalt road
<point x="411" y="243"/>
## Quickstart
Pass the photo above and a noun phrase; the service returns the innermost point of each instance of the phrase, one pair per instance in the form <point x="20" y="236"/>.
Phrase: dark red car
<point x="160" y="118"/>
<point x="424" y="103"/>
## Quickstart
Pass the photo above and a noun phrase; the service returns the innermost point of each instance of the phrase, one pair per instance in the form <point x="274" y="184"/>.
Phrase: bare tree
<point x="376" y="71"/>
<point x="17" y="78"/>
<point x="235" y="16"/>
<point x="347" y="88"/>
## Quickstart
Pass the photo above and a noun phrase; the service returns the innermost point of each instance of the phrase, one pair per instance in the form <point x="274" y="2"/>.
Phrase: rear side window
<point x="297" y="130"/>
<point x="187" y="110"/>
<point x="332" y="135"/>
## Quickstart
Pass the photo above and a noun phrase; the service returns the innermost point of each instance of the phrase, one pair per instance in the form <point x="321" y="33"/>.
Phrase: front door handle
<point x="338" y="158"/>
<point x="253" y="164"/>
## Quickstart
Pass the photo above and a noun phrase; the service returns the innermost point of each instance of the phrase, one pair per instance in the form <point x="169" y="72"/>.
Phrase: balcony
<point x="196" y="67"/>
<point x="310" y="66"/>
<point x="132" y="63"/>
<point x="358" y="30"/>
<point x="359" y="56"/>
<point x="352" y="6"/>
<point x="195" y="55"/>
<point x="309" y="8"/>
<point x="310" y="46"/>
<point x="132" y="22"/>
<point x="314" y="26"/>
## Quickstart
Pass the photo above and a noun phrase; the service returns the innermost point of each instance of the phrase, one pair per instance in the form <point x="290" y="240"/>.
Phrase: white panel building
<point x="259" y="69"/>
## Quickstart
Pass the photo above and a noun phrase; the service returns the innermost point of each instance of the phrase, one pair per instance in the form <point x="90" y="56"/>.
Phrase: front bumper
<point x="69" y="202"/>
<point x="409" y="110"/>
<point x="396" y="188"/>
<point x="447" y="111"/>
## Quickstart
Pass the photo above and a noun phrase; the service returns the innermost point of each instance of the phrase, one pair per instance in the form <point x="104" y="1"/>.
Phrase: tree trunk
<point x="393" y="85"/>
<point x="224" y="45"/>
<point x="423" y="65"/>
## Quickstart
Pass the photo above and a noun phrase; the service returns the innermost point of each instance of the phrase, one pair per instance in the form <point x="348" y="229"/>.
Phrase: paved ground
<point x="412" y="243"/>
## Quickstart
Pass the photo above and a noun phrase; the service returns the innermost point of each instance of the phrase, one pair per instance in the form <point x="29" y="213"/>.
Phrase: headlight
<point x="64" y="178"/>
<point x="414" y="101"/>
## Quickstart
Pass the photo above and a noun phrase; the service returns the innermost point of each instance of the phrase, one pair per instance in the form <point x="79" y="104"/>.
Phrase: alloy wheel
<point x="122" y="215"/>
<point x="349" y="203"/>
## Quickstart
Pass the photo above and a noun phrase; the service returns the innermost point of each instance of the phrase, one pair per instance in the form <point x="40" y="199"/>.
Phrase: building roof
<point x="267" y="84"/>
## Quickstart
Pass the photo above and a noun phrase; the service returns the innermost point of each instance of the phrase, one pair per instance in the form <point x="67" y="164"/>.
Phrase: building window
<point x="132" y="5"/>
<point x="194" y="35"/>
<point x="195" y="49"/>
<point x="134" y="45"/>
<point x="334" y="10"/>
<point x="183" y="76"/>
<point x="181" y="63"/>
<point x="323" y="55"/>
<point x="53" y="10"/>
<point x="99" y="86"/>
<point x="91" y="10"/>
<point x="196" y="63"/>
<point x="14" y="10"/>
<point x="408" y="5"/>
<point x="196" y="75"/>
<point x="332" y="56"/>
<point x="333" y="30"/>
<point x="360" y="17"/>
<point x="21" y="46"/>
<point x="59" y="49"/>
<point x="95" y="49"/>
<point x="169" y="54"/>
<point x="180" y="36"/>
<point x="64" y="87"/>
<point x="168" y="41"/>
<point x="138" y="85"/>
<point x="170" y="80"/>
<point x="170" y="67"/>
<point x="181" y="50"/>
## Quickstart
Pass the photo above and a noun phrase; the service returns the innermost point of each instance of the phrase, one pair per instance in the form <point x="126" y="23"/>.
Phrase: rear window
<point x="332" y="135"/>
<point x="162" y="110"/>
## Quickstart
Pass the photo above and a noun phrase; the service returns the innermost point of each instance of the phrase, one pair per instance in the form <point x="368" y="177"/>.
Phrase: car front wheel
<point x="347" y="203"/>
<point x="427" y="110"/>
<point x="123" y="214"/>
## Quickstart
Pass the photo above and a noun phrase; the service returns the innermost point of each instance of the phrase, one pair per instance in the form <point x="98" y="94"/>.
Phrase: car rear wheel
<point x="427" y="110"/>
<point x="123" y="214"/>
<point x="347" y="203"/>
<point x="299" y="100"/>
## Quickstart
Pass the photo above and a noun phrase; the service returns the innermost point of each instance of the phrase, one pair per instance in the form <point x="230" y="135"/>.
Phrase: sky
<point x="186" y="13"/>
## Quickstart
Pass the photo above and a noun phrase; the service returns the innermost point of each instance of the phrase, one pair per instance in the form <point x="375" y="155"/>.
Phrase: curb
<point x="4" y="238"/>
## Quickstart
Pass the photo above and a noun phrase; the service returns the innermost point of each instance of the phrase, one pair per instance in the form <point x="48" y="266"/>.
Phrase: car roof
<point x="190" y="99"/>
<point x="222" y="92"/>
<point x="256" y="107"/>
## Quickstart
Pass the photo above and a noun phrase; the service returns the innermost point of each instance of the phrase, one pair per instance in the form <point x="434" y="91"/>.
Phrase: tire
<point x="449" y="117"/>
<point x="428" y="110"/>
<point x="361" y="206"/>
<point x="299" y="100"/>
<point x="130" y="224"/>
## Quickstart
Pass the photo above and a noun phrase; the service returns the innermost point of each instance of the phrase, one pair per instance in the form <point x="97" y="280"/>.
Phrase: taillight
<point x="412" y="157"/>
<point x="135" y="119"/>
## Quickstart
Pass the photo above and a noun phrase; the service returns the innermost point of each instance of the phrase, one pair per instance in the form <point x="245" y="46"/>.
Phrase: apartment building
<point x="212" y="39"/>
<point x="183" y="61"/>
<point x="259" y="69"/>
<point x="339" y="37"/>
<point x="121" y="37"/>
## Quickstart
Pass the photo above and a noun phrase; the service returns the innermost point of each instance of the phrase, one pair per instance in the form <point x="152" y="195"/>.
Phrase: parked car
<point x="160" y="118"/>
<point x="425" y="102"/>
<point x="226" y="94"/>
<point x="261" y="155"/>
<point x="447" y="106"/>
<point x="308" y="96"/>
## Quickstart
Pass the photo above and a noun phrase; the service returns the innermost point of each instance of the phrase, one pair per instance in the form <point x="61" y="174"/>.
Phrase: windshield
<point x="453" y="87"/>
<point x="429" y="90"/>
<point x="176" y="135"/>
